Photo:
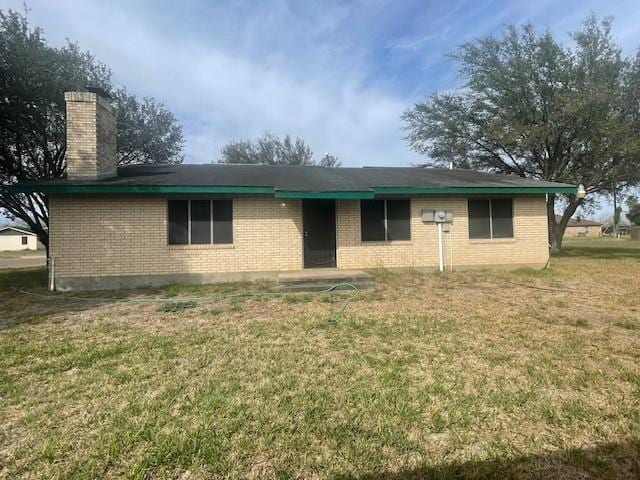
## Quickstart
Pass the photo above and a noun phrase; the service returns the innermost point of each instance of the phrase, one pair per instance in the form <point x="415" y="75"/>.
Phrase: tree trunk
<point x="616" y="215"/>
<point x="556" y="240"/>
<point x="556" y="229"/>
<point x="554" y="244"/>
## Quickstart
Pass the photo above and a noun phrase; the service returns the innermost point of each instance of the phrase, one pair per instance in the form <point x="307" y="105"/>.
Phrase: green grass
<point x="24" y="278"/>
<point x="601" y="248"/>
<point x="22" y="253"/>
<point x="480" y="374"/>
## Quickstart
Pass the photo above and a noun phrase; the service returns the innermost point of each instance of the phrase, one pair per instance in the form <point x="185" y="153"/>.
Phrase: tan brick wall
<point x="91" y="136"/>
<point x="128" y="236"/>
<point x="582" y="231"/>
<point x="92" y="236"/>
<point x="528" y="246"/>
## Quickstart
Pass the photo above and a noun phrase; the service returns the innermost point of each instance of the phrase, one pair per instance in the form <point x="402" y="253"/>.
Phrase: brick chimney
<point x="91" y="135"/>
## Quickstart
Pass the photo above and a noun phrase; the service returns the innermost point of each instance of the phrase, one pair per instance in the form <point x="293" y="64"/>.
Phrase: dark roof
<point x="289" y="181"/>
<point x="20" y="230"/>
<point x="580" y="222"/>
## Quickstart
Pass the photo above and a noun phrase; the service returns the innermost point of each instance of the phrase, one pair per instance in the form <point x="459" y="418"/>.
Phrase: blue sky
<point x="338" y="74"/>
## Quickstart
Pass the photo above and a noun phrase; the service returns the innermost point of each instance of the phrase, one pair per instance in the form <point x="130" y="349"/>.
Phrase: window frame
<point x="189" y="221"/>
<point x="24" y="240"/>
<point x="491" y="237"/>
<point x="386" y="221"/>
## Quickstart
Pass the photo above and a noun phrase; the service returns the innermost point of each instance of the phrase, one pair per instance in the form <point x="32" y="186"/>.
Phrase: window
<point x="491" y="218"/>
<point x="385" y="220"/>
<point x="178" y="211"/>
<point x="200" y="222"/>
<point x="25" y="240"/>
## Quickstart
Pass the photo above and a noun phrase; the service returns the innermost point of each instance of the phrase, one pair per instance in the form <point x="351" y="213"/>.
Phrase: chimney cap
<point x="98" y="91"/>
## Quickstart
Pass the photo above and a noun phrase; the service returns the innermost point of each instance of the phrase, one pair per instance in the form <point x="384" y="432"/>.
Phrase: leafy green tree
<point x="633" y="213"/>
<point x="268" y="150"/>
<point x="33" y="79"/>
<point x="330" y="161"/>
<point x="271" y="150"/>
<point x="147" y="131"/>
<point x="535" y="108"/>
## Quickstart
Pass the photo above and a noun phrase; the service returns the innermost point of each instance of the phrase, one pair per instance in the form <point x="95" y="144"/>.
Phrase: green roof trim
<point x="118" y="189"/>
<point x="472" y="190"/>
<point x="291" y="194"/>
<point x="328" y="195"/>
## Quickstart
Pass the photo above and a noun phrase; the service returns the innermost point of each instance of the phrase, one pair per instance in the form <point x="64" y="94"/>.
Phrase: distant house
<point x="15" y="239"/>
<point x="114" y="227"/>
<point x="622" y="229"/>
<point x="582" y="227"/>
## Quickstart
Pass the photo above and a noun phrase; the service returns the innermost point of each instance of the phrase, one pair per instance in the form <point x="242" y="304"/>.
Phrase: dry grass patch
<point x="482" y="374"/>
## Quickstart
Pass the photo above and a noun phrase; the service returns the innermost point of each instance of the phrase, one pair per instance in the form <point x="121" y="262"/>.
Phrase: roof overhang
<point x="19" y="230"/>
<point x="120" y="189"/>
<point x="472" y="190"/>
<point x="67" y="188"/>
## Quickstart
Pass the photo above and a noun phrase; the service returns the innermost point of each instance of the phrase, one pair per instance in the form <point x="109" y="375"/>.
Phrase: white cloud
<point x="339" y="75"/>
<point x="221" y="92"/>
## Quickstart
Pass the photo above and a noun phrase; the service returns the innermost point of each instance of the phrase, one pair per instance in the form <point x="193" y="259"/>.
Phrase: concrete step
<point x="321" y="279"/>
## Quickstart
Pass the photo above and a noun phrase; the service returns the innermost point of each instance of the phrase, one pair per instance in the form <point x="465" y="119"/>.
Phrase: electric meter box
<point x="427" y="215"/>
<point x="437" y="216"/>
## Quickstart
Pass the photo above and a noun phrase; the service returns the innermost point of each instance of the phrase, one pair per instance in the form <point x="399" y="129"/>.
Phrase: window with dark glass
<point x="178" y="211"/>
<point x="490" y="218"/>
<point x="222" y="221"/>
<point x="385" y="220"/>
<point x="25" y="240"/>
<point x="502" y="217"/>
<point x="200" y="222"/>
<point x="372" y="220"/>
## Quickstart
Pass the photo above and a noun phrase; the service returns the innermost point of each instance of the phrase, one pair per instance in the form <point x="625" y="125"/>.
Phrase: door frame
<point x="335" y="233"/>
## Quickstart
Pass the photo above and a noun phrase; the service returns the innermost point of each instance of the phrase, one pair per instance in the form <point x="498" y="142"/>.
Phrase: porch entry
<point x="319" y="227"/>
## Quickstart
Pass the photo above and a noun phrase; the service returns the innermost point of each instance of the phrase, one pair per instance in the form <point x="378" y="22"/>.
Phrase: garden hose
<point x="204" y="298"/>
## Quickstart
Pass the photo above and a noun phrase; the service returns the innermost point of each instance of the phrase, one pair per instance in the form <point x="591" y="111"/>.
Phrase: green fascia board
<point x="291" y="194"/>
<point x="328" y="195"/>
<point x="471" y="190"/>
<point x="120" y="189"/>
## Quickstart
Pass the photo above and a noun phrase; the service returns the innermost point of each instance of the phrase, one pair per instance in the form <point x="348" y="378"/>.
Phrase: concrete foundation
<point x="114" y="282"/>
<point x="320" y="278"/>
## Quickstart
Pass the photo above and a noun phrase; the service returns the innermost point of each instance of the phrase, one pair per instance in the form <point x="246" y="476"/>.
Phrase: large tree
<point x="268" y="150"/>
<point x="633" y="214"/>
<point x="33" y="79"/>
<point x="271" y="150"/>
<point x="147" y="131"/>
<point x="533" y="107"/>
<point x="329" y="161"/>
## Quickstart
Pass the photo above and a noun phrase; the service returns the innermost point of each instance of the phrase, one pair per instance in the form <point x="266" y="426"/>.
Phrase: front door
<point x="319" y="225"/>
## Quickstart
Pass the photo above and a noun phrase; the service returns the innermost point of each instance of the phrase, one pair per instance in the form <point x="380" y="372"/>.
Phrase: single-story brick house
<point x="582" y="227"/>
<point x="150" y="224"/>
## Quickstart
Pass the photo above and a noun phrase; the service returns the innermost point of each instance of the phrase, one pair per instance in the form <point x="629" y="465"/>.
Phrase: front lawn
<point x="482" y="374"/>
<point x="22" y="253"/>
